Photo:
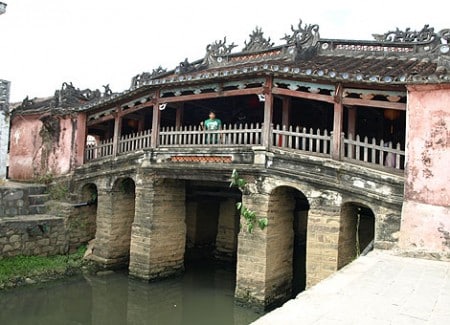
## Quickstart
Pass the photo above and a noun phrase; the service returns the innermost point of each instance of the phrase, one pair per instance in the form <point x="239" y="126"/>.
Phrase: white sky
<point x="94" y="42"/>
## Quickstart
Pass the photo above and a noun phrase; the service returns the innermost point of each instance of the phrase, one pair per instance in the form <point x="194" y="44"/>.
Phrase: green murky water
<point x="203" y="295"/>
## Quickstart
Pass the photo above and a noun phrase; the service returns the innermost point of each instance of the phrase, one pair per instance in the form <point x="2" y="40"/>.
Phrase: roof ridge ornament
<point x="184" y="67"/>
<point x="216" y="52"/>
<point x="140" y="79"/>
<point x="66" y="97"/>
<point x="220" y="48"/>
<point x="257" y="41"/>
<point x="303" y="36"/>
<point x="425" y="35"/>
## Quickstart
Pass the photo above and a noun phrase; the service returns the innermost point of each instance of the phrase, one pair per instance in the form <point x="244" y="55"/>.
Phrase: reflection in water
<point x="203" y="295"/>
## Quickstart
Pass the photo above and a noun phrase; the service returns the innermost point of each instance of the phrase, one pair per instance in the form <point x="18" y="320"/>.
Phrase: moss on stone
<point x="19" y="270"/>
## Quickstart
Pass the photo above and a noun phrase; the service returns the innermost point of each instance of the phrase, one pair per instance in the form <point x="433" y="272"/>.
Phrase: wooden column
<point x="286" y="112"/>
<point x="81" y="139"/>
<point x="156" y="122"/>
<point x="117" y="131"/>
<point x="179" y="115"/>
<point x="351" y="128"/>
<point x="141" y="124"/>
<point x="268" y="113"/>
<point x="337" y="123"/>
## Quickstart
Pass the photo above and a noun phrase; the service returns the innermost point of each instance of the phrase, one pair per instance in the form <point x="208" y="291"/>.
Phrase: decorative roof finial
<point x="140" y="79"/>
<point x="215" y="52"/>
<point x="220" y="48"/>
<point x="427" y="34"/>
<point x="257" y="42"/>
<point x="303" y="36"/>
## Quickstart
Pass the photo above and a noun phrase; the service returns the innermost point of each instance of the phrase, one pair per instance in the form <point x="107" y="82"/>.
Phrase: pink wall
<point x="426" y="208"/>
<point x="31" y="157"/>
<point x="24" y="139"/>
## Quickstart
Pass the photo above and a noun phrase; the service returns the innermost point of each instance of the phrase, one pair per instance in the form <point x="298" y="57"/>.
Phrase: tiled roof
<point x="393" y="58"/>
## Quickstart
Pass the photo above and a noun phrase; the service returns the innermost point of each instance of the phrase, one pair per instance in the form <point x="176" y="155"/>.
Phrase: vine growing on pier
<point x="249" y="215"/>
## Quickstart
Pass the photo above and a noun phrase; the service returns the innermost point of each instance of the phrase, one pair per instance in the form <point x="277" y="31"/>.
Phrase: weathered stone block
<point x="14" y="238"/>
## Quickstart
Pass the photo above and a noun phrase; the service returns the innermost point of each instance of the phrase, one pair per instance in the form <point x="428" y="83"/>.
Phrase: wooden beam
<point x="338" y="118"/>
<point x="156" y="119"/>
<point x="268" y="113"/>
<point x="374" y="103"/>
<point x="286" y="111"/>
<point x="101" y="120"/>
<point x="117" y="131"/>
<point x="135" y="108"/>
<point x="141" y="124"/>
<point x="226" y="93"/>
<point x="302" y="94"/>
<point x="132" y="116"/>
<point x="81" y="139"/>
<point x="179" y="115"/>
<point x="351" y="123"/>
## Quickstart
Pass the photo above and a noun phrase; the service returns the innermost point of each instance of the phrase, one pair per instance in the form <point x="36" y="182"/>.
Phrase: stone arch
<point x="115" y="180"/>
<point x="89" y="196"/>
<point x="356" y="231"/>
<point x="123" y="209"/>
<point x="82" y="222"/>
<point x="288" y="217"/>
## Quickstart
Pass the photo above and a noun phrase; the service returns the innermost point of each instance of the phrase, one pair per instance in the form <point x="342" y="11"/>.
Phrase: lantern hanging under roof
<point x="391" y="114"/>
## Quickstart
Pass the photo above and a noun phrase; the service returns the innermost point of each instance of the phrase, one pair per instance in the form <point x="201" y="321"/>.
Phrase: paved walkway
<point x="375" y="289"/>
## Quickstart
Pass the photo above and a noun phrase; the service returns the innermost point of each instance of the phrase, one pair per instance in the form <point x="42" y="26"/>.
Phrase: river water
<point x="203" y="295"/>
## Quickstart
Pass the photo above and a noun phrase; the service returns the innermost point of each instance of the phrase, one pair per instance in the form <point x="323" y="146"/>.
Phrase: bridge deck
<point x="356" y="150"/>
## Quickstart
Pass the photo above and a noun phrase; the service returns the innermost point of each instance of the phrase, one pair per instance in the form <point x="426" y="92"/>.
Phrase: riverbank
<point x="24" y="270"/>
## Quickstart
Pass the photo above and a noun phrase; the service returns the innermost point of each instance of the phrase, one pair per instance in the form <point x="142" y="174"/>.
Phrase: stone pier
<point x="265" y="258"/>
<point x="115" y="214"/>
<point x="159" y="229"/>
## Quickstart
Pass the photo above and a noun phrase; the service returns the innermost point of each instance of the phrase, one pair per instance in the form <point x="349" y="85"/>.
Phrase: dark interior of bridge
<point x="299" y="252"/>
<point x="212" y="222"/>
<point x="370" y="122"/>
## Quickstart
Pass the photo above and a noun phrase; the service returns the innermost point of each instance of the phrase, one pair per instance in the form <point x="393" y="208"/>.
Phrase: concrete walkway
<point x="375" y="289"/>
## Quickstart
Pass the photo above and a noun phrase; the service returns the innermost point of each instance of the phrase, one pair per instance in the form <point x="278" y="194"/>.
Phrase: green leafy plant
<point x="249" y="215"/>
<point x="59" y="192"/>
<point x="45" y="179"/>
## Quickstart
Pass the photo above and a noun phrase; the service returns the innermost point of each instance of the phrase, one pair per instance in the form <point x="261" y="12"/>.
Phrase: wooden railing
<point x="312" y="142"/>
<point x="382" y="154"/>
<point x="231" y="135"/>
<point x="301" y="139"/>
<point x="135" y="141"/>
<point x="102" y="149"/>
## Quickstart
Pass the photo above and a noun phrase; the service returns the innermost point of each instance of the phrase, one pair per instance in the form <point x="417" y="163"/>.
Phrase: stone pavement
<point x="375" y="289"/>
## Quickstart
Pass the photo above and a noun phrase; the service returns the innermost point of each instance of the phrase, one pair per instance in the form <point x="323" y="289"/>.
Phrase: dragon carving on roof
<point x="303" y="36"/>
<point x="257" y="42"/>
<point x="426" y="34"/>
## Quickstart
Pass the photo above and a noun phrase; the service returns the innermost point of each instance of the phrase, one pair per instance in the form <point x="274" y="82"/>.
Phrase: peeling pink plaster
<point x="26" y="148"/>
<point x="426" y="208"/>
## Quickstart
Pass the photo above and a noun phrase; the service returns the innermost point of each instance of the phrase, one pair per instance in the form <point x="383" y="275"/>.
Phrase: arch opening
<point x="356" y="232"/>
<point x="288" y="220"/>
<point x="212" y="222"/>
<point x="123" y="210"/>
<point x="83" y="222"/>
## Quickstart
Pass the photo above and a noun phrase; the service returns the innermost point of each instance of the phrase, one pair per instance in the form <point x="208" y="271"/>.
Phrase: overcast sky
<point x="94" y="42"/>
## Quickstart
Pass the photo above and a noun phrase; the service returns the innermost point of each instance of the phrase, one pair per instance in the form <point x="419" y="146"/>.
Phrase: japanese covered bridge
<point x="317" y="127"/>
